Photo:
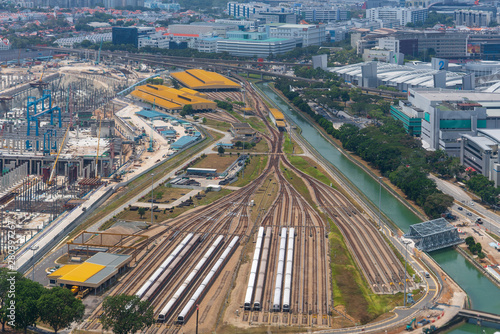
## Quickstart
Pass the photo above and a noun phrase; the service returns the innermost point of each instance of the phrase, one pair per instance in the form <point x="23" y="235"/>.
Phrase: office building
<point x="325" y="14"/>
<point x="130" y="35"/>
<point x="402" y="15"/>
<point x="480" y="152"/>
<point x="473" y="18"/>
<point x="247" y="44"/>
<point x="449" y="114"/>
<point x="446" y="44"/>
<point x="304" y="34"/>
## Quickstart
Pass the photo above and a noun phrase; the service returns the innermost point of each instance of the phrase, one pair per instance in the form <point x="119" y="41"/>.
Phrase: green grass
<point x="306" y="167"/>
<point x="349" y="285"/>
<point x="252" y="170"/>
<point x="236" y="115"/>
<point x="257" y="124"/>
<point x="218" y="125"/>
<point x="289" y="144"/>
<point x="298" y="184"/>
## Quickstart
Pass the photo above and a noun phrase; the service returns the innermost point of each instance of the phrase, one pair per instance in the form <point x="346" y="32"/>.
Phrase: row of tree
<point x="392" y="151"/>
<point x="24" y="302"/>
<point x="475" y="247"/>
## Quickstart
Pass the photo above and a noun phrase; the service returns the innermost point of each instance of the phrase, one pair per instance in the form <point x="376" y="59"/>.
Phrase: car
<point x="469" y="214"/>
<point x="460" y="208"/>
<point x="472" y="203"/>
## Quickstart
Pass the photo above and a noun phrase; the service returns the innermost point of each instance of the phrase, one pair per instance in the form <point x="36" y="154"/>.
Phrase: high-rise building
<point x="473" y="18"/>
<point x="403" y="15"/>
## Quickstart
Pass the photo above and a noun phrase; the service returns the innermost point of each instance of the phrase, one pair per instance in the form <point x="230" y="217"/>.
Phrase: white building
<point x="389" y="43"/>
<point x="208" y="44"/>
<point x="4" y="44"/>
<point x="247" y="24"/>
<point x="322" y="14"/>
<point x="254" y="47"/>
<point x="94" y="38"/>
<point x="377" y="54"/>
<point x="305" y="34"/>
<point x="403" y="15"/>
<point x="480" y="152"/>
<point x="154" y="41"/>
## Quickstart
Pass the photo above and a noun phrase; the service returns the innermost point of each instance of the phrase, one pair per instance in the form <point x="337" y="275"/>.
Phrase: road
<point x="492" y="220"/>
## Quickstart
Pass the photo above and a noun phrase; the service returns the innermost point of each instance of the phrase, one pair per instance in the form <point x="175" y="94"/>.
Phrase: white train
<point x="253" y="269"/>
<point x="288" y="272"/>
<point x="171" y="269"/>
<point x="199" y="266"/>
<point x="261" y="280"/>
<point x="198" y="294"/>
<point x="279" y="272"/>
<point x="163" y="266"/>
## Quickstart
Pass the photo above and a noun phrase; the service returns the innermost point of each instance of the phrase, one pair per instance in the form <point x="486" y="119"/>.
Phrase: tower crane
<point x="99" y="53"/>
<point x="53" y="173"/>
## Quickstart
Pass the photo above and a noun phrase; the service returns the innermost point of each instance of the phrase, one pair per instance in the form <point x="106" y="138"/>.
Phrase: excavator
<point x="409" y="327"/>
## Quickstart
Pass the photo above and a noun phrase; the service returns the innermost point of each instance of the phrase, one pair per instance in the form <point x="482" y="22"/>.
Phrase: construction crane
<point x="99" y="53"/>
<point x="39" y="82"/>
<point x="97" y="155"/>
<point x="53" y="173"/>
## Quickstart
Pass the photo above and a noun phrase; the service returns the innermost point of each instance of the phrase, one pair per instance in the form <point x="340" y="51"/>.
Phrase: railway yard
<point x="258" y="256"/>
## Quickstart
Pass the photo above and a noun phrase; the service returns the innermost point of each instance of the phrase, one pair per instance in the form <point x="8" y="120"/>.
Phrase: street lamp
<point x="406" y="252"/>
<point x="379" y="199"/>
<point x="152" y="187"/>
<point x="34" y="249"/>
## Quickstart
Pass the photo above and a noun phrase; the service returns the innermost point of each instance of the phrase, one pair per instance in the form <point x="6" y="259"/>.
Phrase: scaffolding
<point x="433" y="235"/>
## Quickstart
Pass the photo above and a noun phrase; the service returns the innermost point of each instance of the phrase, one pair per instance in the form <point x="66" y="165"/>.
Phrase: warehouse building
<point x="172" y="99"/>
<point x="184" y="142"/>
<point x="97" y="273"/>
<point x="204" y="80"/>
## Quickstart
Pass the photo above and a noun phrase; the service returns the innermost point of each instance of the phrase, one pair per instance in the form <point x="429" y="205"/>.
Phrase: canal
<point x="484" y="295"/>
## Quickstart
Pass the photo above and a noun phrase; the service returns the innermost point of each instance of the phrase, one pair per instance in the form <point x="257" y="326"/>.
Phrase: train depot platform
<point x="97" y="273"/>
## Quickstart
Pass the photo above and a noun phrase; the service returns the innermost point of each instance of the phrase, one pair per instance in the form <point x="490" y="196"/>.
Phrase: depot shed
<point x="98" y="272"/>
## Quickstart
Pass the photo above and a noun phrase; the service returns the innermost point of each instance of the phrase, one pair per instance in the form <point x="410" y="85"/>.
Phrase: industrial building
<point x="97" y="273"/>
<point x="480" y="152"/>
<point x="172" y="99"/>
<point x="250" y="44"/>
<point x="204" y="80"/>
<point x="448" y="115"/>
<point x="184" y="142"/>
<point x="277" y="118"/>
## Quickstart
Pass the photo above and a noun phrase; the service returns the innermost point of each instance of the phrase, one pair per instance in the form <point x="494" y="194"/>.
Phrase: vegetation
<point x="484" y="188"/>
<point x="221" y="150"/>
<point x="59" y="308"/>
<point x="125" y="314"/>
<point x="224" y="105"/>
<point x="141" y="211"/>
<point x="24" y="302"/>
<point x="475" y="247"/>
<point x="392" y="151"/>
<point x="433" y="19"/>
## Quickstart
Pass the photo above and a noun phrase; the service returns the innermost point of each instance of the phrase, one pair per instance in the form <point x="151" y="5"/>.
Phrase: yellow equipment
<point x="53" y="173"/>
<point x="97" y="155"/>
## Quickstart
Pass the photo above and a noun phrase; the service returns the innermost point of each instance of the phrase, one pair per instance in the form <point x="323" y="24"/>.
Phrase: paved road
<point x="492" y="220"/>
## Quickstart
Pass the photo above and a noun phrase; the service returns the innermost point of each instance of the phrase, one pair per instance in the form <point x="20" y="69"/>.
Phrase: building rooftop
<point x="201" y="79"/>
<point x="170" y="98"/>
<point x="454" y="95"/>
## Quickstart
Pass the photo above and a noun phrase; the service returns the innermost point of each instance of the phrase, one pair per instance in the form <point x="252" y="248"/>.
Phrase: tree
<point x="238" y="144"/>
<point x="7" y="283"/>
<point x="59" y="308"/>
<point x="187" y="109"/>
<point x="141" y="211"/>
<point x="26" y="303"/>
<point x="126" y="314"/>
<point x="221" y="150"/>
<point x="204" y="120"/>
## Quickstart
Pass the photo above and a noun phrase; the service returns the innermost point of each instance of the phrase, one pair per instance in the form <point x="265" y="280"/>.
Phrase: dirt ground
<point x="221" y="163"/>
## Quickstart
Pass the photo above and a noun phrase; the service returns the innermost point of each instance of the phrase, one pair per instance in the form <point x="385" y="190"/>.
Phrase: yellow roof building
<point x="278" y="115"/>
<point x="204" y="80"/>
<point x="171" y="98"/>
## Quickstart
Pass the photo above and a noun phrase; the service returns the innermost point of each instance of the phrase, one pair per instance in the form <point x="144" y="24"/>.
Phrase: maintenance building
<point x="97" y="273"/>
<point x="171" y="99"/>
<point x="278" y="118"/>
<point x="204" y="80"/>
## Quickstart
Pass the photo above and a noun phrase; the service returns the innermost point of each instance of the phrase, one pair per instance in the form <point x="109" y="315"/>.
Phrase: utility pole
<point x="152" y="187"/>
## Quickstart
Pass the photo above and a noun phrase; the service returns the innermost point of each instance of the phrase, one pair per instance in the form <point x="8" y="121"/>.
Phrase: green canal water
<point x="484" y="295"/>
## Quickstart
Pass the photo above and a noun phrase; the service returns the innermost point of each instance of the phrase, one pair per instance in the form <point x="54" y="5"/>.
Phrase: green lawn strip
<point x="139" y="184"/>
<point x="401" y="258"/>
<point x="298" y="184"/>
<point x="257" y="124"/>
<point x="218" y="125"/>
<point x="349" y="285"/>
<point x="252" y="170"/>
<point x="301" y="163"/>
<point x="236" y="115"/>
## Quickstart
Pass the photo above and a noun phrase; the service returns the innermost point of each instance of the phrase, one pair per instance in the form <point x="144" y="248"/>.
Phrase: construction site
<point x="58" y="137"/>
